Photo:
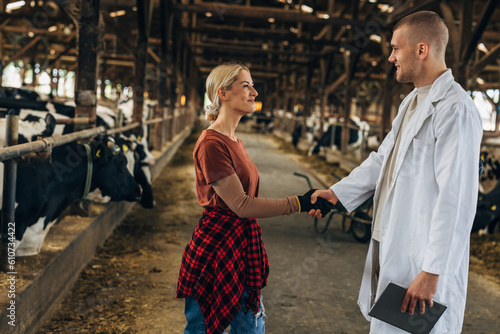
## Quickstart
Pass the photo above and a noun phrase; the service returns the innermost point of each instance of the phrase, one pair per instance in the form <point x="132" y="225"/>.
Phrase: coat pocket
<point x="419" y="160"/>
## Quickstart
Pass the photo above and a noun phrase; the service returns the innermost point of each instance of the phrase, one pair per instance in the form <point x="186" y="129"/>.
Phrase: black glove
<point x="321" y="203"/>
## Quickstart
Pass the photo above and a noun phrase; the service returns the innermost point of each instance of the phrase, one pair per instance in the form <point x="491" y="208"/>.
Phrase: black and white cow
<point x="136" y="153"/>
<point x="29" y="129"/>
<point x="333" y="136"/>
<point x="46" y="187"/>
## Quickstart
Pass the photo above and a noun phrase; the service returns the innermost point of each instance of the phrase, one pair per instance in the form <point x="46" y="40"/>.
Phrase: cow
<point x="105" y="117"/>
<point x="137" y="153"/>
<point x="45" y="187"/>
<point x="29" y="129"/>
<point x="333" y="136"/>
<point x="488" y="204"/>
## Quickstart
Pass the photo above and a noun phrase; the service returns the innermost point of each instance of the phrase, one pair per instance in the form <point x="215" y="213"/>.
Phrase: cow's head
<point x="111" y="174"/>
<point x="135" y="154"/>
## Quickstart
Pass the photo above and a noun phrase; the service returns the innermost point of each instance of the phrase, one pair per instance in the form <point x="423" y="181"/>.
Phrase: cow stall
<point x="42" y="280"/>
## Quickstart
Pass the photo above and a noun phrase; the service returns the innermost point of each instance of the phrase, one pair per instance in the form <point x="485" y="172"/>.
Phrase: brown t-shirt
<point x="216" y="157"/>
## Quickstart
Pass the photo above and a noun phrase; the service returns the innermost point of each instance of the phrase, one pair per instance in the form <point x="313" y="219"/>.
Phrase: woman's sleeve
<point x="232" y="193"/>
<point x="214" y="161"/>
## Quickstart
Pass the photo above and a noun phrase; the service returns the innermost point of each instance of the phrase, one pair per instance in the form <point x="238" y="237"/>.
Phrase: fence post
<point x="9" y="193"/>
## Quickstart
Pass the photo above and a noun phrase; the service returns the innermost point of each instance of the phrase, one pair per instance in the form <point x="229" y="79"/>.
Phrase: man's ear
<point x="423" y="50"/>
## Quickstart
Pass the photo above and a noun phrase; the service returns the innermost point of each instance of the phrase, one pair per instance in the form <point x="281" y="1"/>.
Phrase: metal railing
<point x="172" y="125"/>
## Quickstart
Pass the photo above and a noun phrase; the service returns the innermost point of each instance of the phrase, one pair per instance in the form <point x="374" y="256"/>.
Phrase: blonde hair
<point x="222" y="76"/>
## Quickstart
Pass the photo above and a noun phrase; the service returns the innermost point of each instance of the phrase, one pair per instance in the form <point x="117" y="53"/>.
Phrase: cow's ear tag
<point x="139" y="138"/>
<point x="98" y="153"/>
<point x="125" y="148"/>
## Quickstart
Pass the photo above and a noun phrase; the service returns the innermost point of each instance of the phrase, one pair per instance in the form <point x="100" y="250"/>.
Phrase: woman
<point x="225" y="265"/>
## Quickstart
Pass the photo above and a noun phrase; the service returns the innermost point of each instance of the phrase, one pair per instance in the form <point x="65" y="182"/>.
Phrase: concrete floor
<point x="314" y="279"/>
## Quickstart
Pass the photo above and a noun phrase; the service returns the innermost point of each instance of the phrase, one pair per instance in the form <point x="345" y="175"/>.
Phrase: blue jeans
<point x="242" y="323"/>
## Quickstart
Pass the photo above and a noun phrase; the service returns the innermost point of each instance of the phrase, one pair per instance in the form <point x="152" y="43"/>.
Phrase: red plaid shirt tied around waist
<point x="225" y="254"/>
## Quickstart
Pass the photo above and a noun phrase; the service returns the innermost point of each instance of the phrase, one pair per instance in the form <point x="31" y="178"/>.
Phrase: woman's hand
<point x="328" y="195"/>
<point x="320" y="206"/>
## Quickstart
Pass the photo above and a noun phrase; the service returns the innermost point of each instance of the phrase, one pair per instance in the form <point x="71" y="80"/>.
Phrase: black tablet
<point x="388" y="309"/>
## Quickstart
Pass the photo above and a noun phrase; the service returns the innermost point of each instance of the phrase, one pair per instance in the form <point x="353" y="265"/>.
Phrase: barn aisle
<point x="129" y="287"/>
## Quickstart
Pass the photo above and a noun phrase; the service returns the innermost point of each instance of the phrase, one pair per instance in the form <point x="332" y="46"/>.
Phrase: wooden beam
<point x="453" y="29"/>
<point x="222" y="10"/>
<point x="43" y="32"/>
<point x="62" y="53"/>
<point x="340" y="80"/>
<point x="367" y="74"/>
<point x="478" y="32"/>
<point x="249" y="50"/>
<point x="28" y="46"/>
<point x="491" y="35"/>
<point x="481" y="64"/>
<point x="410" y="8"/>
<point x="154" y="56"/>
<point x="88" y="39"/>
<point x="465" y="31"/>
<point x="141" y="54"/>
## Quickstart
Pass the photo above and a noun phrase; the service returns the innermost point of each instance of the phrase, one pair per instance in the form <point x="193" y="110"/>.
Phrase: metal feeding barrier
<point x="14" y="150"/>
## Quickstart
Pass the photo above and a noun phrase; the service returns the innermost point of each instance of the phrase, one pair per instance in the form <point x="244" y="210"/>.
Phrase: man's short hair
<point x="428" y="27"/>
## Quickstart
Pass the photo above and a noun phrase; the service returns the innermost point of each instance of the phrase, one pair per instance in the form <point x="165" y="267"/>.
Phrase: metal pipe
<point x="77" y="120"/>
<point x="124" y="128"/>
<point x="154" y="120"/>
<point x="9" y="192"/>
<point x="40" y="145"/>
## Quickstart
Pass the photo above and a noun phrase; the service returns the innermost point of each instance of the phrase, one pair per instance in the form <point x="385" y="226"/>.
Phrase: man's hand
<point x="321" y="205"/>
<point x="421" y="290"/>
<point x="328" y="195"/>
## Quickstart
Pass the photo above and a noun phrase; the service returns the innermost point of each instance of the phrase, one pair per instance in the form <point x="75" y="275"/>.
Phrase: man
<point x="425" y="180"/>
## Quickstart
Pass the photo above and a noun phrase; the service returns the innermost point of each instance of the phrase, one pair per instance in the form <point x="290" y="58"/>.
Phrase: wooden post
<point x="88" y="39"/>
<point x="387" y="102"/>
<point x="141" y="56"/>
<point x="162" y="87"/>
<point x="2" y="63"/>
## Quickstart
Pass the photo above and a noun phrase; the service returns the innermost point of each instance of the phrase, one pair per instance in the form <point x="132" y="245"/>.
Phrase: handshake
<point x="321" y="204"/>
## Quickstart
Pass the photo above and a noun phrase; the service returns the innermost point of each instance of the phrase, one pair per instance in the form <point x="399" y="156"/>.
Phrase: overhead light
<point x="271" y="20"/>
<point x="52" y="52"/>
<point x="348" y="27"/>
<point x="375" y="38"/>
<point x="52" y="29"/>
<point x="294" y="30"/>
<point x="31" y="34"/>
<point x="390" y="9"/>
<point x="117" y="13"/>
<point x="480" y="81"/>
<point x="383" y="7"/>
<point x="286" y="43"/>
<point x="372" y="1"/>
<point x="323" y="16"/>
<point x="14" y="5"/>
<point x="208" y="14"/>
<point x="306" y="9"/>
<point x="374" y="63"/>
<point x="341" y="49"/>
<point x="483" y="48"/>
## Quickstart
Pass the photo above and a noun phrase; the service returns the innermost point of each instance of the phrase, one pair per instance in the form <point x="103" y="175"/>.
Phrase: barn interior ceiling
<point x="310" y="46"/>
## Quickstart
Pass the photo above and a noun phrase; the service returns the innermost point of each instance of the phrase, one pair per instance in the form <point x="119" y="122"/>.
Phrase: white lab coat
<point x="428" y="215"/>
